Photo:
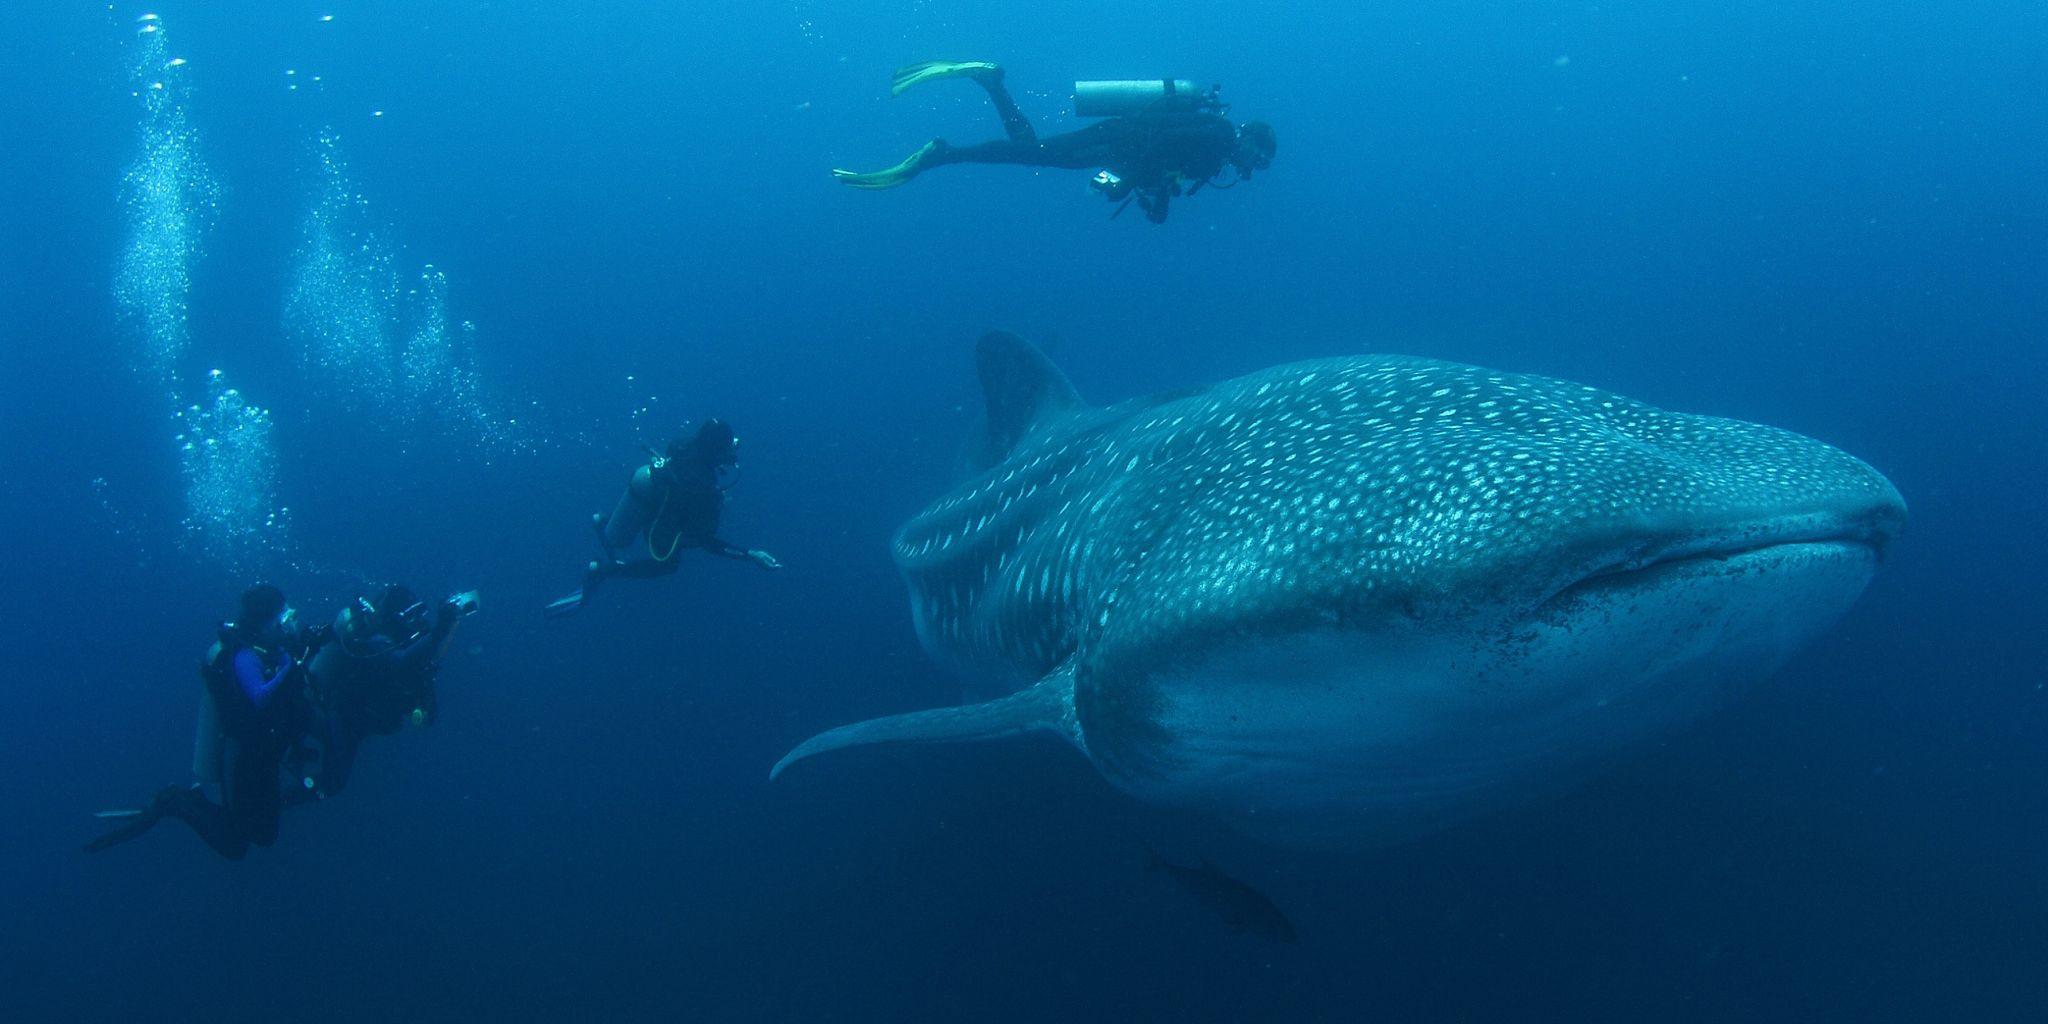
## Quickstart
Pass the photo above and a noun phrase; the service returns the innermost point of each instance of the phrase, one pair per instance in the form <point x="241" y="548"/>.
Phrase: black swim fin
<point x="135" y="820"/>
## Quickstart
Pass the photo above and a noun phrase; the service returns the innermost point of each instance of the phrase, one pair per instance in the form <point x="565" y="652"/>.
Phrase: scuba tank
<point x="208" y="736"/>
<point x="632" y="515"/>
<point x="206" y="741"/>
<point x="1143" y="96"/>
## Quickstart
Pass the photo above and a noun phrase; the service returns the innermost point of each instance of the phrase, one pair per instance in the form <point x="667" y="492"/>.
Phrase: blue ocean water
<point x="494" y="248"/>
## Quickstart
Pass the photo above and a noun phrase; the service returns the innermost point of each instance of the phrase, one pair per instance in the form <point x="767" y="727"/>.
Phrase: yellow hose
<point x="674" y="542"/>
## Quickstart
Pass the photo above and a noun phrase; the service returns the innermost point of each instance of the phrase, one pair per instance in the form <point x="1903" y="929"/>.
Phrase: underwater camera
<point x="1110" y="185"/>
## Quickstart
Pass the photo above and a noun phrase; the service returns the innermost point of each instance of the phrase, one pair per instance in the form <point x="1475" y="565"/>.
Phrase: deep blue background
<point x="1829" y="217"/>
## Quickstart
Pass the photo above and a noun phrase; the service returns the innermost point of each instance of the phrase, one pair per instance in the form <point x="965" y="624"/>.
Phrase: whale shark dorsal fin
<point x="1024" y="392"/>
<point x="1046" y="706"/>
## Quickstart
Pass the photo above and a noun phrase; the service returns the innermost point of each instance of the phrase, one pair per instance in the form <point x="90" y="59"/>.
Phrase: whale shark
<point x="1360" y="599"/>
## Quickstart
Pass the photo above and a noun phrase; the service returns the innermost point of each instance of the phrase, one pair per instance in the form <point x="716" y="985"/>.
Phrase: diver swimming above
<point x="672" y="502"/>
<point x="1160" y="138"/>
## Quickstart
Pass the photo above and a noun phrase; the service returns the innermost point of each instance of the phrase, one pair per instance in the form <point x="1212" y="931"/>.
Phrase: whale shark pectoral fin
<point x="1024" y="390"/>
<point x="1047" y="706"/>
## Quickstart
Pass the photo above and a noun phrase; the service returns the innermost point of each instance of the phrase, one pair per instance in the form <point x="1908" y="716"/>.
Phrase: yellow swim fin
<point x="889" y="177"/>
<point x="912" y="74"/>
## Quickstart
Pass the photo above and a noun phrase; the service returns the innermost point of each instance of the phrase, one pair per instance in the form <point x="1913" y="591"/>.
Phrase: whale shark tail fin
<point x="1024" y="392"/>
<point x="1047" y="706"/>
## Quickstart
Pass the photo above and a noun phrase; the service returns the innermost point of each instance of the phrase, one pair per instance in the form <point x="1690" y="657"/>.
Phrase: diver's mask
<point x="726" y="471"/>
<point x="1252" y="154"/>
<point x="278" y="633"/>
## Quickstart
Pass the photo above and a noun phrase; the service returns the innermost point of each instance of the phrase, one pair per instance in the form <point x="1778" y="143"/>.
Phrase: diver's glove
<point x="464" y="604"/>
<point x="764" y="559"/>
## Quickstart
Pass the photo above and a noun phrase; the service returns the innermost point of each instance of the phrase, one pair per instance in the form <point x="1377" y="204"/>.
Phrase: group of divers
<point x="284" y="707"/>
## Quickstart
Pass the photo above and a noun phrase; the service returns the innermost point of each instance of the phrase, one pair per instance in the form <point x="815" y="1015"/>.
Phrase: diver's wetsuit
<point x="684" y="515"/>
<point x="259" y="697"/>
<point x="352" y="697"/>
<point x="1152" y="152"/>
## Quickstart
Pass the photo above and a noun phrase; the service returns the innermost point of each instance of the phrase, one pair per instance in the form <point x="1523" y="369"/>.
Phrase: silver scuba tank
<point x="206" y="737"/>
<point x="631" y="516"/>
<point x="206" y="741"/>
<point x="1123" y="97"/>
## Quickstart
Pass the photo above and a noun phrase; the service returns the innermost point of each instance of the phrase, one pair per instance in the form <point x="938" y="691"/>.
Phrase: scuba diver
<point x="371" y="673"/>
<point x="1161" y="138"/>
<point x="670" y="503"/>
<point x="252" y="707"/>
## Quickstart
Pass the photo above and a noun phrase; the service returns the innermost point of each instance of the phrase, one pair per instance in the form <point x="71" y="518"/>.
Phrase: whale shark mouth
<point x="1743" y="552"/>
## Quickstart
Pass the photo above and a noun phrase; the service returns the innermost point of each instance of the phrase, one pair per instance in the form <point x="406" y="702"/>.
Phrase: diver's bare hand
<point x="764" y="560"/>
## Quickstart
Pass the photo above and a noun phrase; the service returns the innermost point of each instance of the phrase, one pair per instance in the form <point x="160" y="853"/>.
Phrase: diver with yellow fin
<point x="1160" y="138"/>
<point x="671" y="503"/>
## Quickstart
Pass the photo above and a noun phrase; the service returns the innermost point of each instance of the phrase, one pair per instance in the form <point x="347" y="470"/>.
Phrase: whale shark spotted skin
<point x="1362" y="598"/>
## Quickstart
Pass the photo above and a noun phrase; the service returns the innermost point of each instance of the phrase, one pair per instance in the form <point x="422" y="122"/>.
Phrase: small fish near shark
<point x="1359" y="599"/>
